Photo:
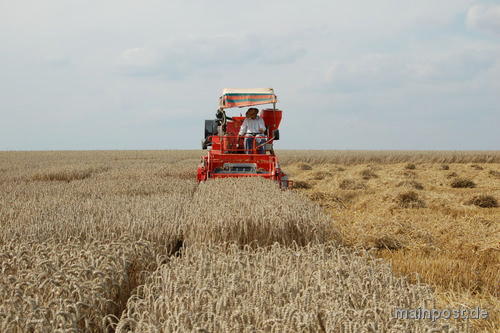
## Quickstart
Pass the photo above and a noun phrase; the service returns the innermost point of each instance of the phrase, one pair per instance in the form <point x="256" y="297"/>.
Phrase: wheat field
<point x="411" y="211"/>
<point x="127" y="241"/>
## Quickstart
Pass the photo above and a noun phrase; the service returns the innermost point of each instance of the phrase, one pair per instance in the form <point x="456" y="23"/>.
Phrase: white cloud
<point x="381" y="71"/>
<point x="484" y="17"/>
<point x="369" y="71"/>
<point x="138" y="57"/>
<point x="181" y="57"/>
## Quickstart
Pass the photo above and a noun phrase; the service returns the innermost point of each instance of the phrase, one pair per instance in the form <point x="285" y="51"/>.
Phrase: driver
<point x="253" y="128"/>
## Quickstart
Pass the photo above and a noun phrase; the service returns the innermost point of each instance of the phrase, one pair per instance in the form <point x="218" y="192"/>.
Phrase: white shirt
<point x="252" y="126"/>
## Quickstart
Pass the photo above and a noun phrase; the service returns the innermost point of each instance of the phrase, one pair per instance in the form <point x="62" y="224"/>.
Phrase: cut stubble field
<point x="126" y="241"/>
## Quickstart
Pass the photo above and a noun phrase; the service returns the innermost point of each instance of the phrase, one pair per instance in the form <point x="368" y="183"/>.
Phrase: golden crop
<point x="70" y="286"/>
<point x="253" y="211"/>
<point x="317" y="288"/>
<point x="92" y="241"/>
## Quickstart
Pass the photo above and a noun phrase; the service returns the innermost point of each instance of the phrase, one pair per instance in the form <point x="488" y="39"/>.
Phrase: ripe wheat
<point x="318" y="288"/>
<point x="80" y="230"/>
<point x="253" y="211"/>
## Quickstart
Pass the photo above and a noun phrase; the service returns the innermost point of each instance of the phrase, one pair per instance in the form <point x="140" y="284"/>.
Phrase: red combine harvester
<point x="227" y="155"/>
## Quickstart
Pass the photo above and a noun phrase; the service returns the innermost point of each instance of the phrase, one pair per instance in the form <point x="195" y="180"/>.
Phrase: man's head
<point x="252" y="113"/>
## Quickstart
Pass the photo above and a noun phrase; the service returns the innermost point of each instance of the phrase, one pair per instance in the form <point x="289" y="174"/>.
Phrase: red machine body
<point x="227" y="156"/>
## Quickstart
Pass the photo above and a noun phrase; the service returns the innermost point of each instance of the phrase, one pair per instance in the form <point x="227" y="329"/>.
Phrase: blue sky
<point x="348" y="74"/>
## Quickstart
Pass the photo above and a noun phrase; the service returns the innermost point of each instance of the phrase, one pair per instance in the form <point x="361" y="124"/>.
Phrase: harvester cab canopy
<point x="237" y="97"/>
<point x="232" y="97"/>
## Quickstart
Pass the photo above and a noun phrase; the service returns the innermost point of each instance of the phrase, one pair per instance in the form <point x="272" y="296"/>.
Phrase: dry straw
<point x="483" y="201"/>
<point x="352" y="184"/>
<point x="313" y="157"/>
<point x="462" y="183"/>
<point x="409" y="199"/>
<point x="411" y="184"/>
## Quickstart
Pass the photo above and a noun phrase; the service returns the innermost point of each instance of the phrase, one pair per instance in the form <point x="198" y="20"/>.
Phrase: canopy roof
<point x="232" y="97"/>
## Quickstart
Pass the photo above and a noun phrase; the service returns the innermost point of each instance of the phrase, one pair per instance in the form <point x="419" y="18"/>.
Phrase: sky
<point x="410" y="75"/>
